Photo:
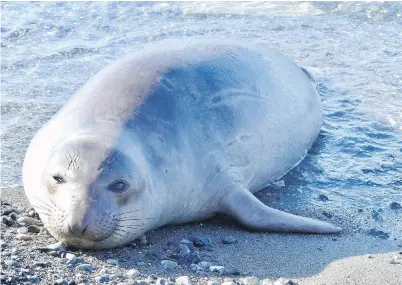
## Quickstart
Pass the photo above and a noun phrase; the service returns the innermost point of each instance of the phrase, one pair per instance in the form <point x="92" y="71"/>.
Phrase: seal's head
<point x="95" y="194"/>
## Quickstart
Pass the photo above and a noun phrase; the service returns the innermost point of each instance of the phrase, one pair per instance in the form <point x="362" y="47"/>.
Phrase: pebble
<point x="205" y="264"/>
<point x="102" y="278"/>
<point x="133" y="273"/>
<point x="186" y="242"/>
<point x="183" y="280"/>
<point x="13" y="216"/>
<point x="28" y="221"/>
<point x="212" y="282"/>
<point x="168" y="264"/>
<point x="267" y="282"/>
<point x="3" y="244"/>
<point x="40" y="264"/>
<point x="395" y="206"/>
<point x="160" y="282"/>
<point x="12" y="263"/>
<point x="202" y="241"/>
<point x="278" y="184"/>
<point x="7" y="220"/>
<point x="219" y="269"/>
<point x="60" y="282"/>
<point x="85" y="267"/>
<point x="282" y="281"/>
<point x="323" y="198"/>
<point x="33" y="279"/>
<point x="22" y="230"/>
<point x="23" y="237"/>
<point x="113" y="262"/>
<point x="230" y="240"/>
<point x="33" y="229"/>
<point x="184" y="250"/>
<point x="250" y="281"/>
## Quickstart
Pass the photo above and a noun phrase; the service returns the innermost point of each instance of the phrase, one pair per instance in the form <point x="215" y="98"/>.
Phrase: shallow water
<point x="48" y="50"/>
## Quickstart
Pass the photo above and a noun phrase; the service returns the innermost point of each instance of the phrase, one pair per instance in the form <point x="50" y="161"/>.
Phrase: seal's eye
<point x="118" y="186"/>
<point x="58" y="179"/>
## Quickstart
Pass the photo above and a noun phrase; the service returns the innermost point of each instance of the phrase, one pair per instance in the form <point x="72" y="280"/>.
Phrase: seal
<point x="172" y="133"/>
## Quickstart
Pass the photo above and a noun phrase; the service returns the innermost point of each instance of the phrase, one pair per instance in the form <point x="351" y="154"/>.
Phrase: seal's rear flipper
<point x="253" y="214"/>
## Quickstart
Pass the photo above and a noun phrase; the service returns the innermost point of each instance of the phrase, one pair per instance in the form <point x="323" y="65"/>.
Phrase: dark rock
<point x="232" y="271"/>
<point x="13" y="216"/>
<point x="323" y="198"/>
<point x="33" y="229"/>
<point x="328" y="215"/>
<point x="202" y="241"/>
<point x="60" y="282"/>
<point x="192" y="257"/>
<point x="8" y="211"/>
<point x="7" y="220"/>
<point x="378" y="233"/>
<point x="395" y="206"/>
<point x="360" y="210"/>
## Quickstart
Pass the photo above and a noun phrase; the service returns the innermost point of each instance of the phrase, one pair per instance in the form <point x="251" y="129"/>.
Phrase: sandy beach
<point x="351" y="257"/>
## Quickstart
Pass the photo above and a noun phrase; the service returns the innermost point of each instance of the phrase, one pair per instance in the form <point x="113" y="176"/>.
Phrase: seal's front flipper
<point x="253" y="214"/>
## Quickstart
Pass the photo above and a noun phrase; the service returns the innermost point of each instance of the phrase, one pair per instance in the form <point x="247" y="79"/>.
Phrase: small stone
<point x="229" y="240"/>
<point x="152" y="277"/>
<point x="85" y="267"/>
<point x="113" y="262"/>
<point x="3" y="244"/>
<point x="184" y="250"/>
<point x="196" y="268"/>
<point x="192" y="257"/>
<point x="33" y="279"/>
<point x="33" y="229"/>
<point x="395" y="206"/>
<point x="102" y="278"/>
<point x="40" y="264"/>
<point x="22" y="230"/>
<point x="7" y="220"/>
<point x="278" y="184"/>
<point x="219" y="269"/>
<point x="183" y="280"/>
<point x="133" y="273"/>
<point x="213" y="282"/>
<point x="141" y="263"/>
<point x="71" y="282"/>
<point x="267" y="282"/>
<point x="323" y="198"/>
<point x="205" y="264"/>
<point x="28" y="221"/>
<point x="60" y="282"/>
<point x="13" y="216"/>
<point x="12" y="263"/>
<point x="54" y="253"/>
<point x="186" y="242"/>
<point x="282" y="281"/>
<point x="202" y="241"/>
<point x="168" y="264"/>
<point x="251" y="281"/>
<point x="23" y="237"/>
<point x="161" y="281"/>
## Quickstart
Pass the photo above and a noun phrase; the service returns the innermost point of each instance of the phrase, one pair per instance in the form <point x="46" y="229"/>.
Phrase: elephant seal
<point x="173" y="133"/>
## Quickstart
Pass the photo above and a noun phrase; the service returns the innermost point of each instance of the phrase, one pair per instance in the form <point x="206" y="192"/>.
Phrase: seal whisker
<point x="120" y="214"/>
